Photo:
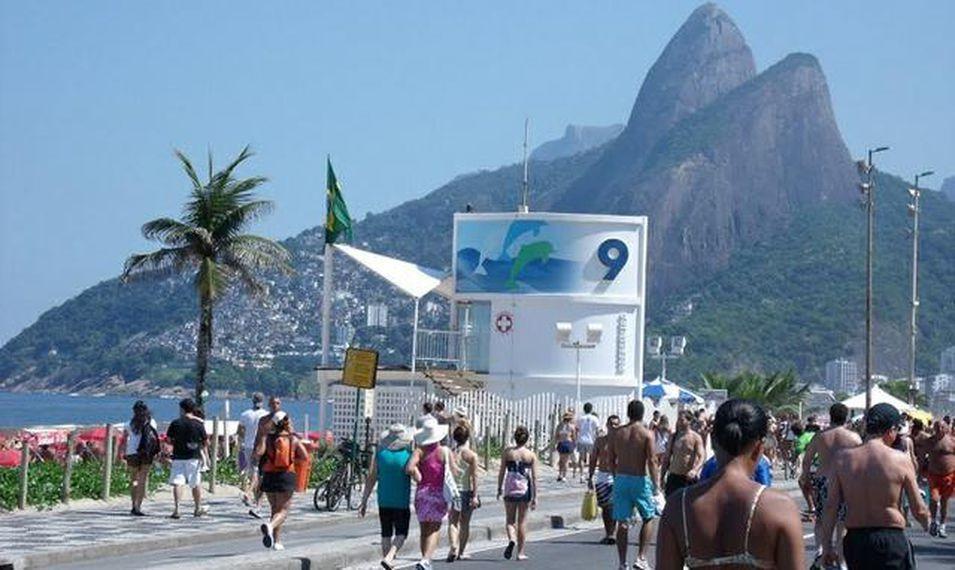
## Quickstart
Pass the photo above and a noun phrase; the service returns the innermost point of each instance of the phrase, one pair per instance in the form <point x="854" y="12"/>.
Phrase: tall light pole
<point x="868" y="190"/>
<point x="594" y="334"/>
<point x="657" y="352"/>
<point x="914" y="209"/>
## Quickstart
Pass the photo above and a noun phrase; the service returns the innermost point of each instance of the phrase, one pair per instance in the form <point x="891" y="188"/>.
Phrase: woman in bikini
<point x="731" y="520"/>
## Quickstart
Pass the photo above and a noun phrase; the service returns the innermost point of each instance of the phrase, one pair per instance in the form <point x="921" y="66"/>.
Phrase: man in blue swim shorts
<point x="636" y="480"/>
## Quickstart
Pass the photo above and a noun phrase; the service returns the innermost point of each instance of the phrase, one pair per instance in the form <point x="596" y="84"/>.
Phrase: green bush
<point x="86" y="482"/>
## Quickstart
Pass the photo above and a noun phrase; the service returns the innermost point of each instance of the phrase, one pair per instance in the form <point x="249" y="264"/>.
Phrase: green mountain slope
<point x="798" y="299"/>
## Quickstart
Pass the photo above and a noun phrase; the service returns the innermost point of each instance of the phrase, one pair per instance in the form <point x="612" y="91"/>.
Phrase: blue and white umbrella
<point x="659" y="390"/>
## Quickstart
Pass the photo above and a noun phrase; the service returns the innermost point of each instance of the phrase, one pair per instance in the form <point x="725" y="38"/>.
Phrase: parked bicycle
<point x="346" y="481"/>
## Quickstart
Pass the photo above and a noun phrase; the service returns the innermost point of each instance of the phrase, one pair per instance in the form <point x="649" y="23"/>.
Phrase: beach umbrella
<point x="660" y="390"/>
<point x="687" y="397"/>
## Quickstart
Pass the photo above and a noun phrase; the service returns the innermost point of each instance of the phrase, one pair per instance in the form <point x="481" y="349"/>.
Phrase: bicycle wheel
<point x="355" y="488"/>
<point x="335" y="490"/>
<point x="318" y="498"/>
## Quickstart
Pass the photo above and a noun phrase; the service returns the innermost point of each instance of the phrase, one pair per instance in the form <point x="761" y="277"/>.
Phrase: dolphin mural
<point x="516" y="230"/>
<point x="529" y="253"/>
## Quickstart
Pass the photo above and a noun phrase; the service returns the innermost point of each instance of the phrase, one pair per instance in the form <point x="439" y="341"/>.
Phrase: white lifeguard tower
<point x="541" y="300"/>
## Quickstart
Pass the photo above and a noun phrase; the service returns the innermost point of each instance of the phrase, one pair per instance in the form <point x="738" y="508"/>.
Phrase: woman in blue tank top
<point x="387" y="472"/>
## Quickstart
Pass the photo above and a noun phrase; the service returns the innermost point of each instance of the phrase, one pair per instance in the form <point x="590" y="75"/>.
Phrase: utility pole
<point x="914" y="209"/>
<point x="868" y="190"/>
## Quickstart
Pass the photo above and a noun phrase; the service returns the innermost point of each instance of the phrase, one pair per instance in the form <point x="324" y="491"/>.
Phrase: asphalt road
<point x="579" y="550"/>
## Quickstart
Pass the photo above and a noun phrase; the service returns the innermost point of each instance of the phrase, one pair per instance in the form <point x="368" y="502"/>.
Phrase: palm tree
<point x="209" y="241"/>
<point x="775" y="391"/>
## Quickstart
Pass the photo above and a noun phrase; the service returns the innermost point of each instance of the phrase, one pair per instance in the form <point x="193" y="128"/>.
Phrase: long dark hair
<point x="141" y="416"/>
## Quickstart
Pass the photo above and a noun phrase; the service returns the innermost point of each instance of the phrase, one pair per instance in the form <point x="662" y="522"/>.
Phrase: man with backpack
<point x="189" y="439"/>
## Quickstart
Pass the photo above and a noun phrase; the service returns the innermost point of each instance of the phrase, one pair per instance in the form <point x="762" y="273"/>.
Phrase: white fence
<point x="491" y="414"/>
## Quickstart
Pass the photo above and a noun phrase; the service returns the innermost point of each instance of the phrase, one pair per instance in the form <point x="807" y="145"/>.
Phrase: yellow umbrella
<point x="918" y="414"/>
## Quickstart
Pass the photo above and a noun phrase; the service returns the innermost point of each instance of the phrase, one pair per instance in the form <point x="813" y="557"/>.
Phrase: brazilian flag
<point x="337" y="221"/>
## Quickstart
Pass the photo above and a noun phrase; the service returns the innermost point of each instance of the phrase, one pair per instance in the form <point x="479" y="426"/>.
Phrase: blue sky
<point x="405" y="96"/>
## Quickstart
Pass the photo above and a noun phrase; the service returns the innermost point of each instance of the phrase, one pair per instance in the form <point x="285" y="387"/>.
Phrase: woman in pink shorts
<point x="427" y="467"/>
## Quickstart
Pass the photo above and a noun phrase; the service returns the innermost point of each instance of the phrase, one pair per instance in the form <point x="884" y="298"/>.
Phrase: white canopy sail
<point x="415" y="280"/>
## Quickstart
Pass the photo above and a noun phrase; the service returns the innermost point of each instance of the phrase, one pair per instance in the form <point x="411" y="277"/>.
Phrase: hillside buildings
<point x="842" y="376"/>
<point x="947" y="364"/>
<point x="376" y="315"/>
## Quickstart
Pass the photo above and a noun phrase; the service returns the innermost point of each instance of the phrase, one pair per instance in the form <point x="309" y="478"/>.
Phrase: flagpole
<point x="327" y="288"/>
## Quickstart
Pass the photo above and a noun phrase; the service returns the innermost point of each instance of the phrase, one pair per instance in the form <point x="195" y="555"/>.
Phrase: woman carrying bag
<point x="432" y="468"/>
<point x="459" y="521"/>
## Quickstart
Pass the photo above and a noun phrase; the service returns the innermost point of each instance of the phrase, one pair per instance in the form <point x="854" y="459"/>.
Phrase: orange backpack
<point x="280" y="453"/>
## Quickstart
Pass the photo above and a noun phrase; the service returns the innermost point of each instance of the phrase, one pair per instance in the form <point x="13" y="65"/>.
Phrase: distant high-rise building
<point x="842" y="375"/>
<point x="377" y="314"/>
<point x="948" y="361"/>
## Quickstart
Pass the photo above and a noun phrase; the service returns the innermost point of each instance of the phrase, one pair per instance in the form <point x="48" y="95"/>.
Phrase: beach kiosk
<point x="551" y="302"/>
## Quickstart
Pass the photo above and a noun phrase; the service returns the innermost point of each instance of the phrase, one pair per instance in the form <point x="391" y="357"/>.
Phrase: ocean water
<point x="25" y="410"/>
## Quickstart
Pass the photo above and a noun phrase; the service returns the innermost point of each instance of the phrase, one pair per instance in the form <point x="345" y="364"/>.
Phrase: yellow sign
<point x="361" y="368"/>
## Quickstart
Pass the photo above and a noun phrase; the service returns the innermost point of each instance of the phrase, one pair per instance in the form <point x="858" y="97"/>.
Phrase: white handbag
<point x="452" y="496"/>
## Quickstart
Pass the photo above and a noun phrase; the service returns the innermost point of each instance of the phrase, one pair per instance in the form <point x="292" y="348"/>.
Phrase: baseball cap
<point x="881" y="418"/>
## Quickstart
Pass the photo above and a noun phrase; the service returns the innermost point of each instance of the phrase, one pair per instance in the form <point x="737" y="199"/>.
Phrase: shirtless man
<point x="870" y="478"/>
<point x="825" y="446"/>
<point x="940" y="449"/>
<point x="258" y="452"/>
<point x="630" y="459"/>
<point x="603" y="485"/>
<point x="684" y="458"/>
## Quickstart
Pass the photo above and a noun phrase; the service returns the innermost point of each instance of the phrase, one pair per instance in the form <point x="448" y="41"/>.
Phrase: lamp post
<point x="677" y="347"/>
<point x="914" y="209"/>
<point x="868" y="191"/>
<point x="594" y="333"/>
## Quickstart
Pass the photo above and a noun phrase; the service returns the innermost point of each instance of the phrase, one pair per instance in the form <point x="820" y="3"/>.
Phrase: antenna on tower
<point x="524" y="207"/>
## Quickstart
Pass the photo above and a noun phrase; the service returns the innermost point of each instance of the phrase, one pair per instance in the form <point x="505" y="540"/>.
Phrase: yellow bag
<point x="588" y="509"/>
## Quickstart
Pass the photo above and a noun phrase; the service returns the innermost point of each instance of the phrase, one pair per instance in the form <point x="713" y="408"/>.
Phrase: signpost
<point x="360" y="372"/>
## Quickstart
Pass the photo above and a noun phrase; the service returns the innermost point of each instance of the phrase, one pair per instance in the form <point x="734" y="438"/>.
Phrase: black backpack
<point x="148" y="447"/>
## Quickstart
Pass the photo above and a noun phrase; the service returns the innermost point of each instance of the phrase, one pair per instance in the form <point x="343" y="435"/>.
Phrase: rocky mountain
<point x="948" y="188"/>
<point x="756" y="244"/>
<point x="576" y="139"/>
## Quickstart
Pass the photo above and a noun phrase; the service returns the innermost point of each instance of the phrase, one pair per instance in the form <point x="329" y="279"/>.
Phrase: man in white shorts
<point x="587" y="426"/>
<point x="188" y="437"/>
<point x="248" y="428"/>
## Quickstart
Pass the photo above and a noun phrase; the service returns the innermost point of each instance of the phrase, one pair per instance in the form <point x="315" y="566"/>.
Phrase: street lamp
<point x="914" y="209"/>
<point x="868" y="191"/>
<point x="677" y="347"/>
<point x="594" y="334"/>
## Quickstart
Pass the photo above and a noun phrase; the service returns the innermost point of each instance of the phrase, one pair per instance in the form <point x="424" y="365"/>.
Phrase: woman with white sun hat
<point x="427" y="467"/>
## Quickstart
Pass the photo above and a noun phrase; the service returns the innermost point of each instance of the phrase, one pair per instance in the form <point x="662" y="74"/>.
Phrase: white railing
<point x="491" y="414"/>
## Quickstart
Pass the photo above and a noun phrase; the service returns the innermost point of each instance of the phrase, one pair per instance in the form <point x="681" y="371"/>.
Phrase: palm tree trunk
<point x="203" y="348"/>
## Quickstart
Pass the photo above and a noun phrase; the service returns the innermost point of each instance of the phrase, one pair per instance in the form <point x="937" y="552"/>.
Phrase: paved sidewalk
<point x="90" y="529"/>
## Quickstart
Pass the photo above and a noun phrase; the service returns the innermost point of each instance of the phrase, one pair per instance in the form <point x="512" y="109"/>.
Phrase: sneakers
<point x="933" y="528"/>
<point x="641" y="564"/>
<point x="509" y="551"/>
<point x="423" y="565"/>
<point x="941" y="531"/>
<point x="278" y="546"/>
<point x="268" y="539"/>
<point x="200" y="511"/>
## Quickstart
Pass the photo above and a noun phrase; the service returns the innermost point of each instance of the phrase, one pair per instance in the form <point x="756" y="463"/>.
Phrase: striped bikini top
<point x="743" y="559"/>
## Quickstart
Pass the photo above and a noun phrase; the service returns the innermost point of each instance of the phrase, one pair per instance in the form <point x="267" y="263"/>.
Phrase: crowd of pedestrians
<point x="862" y="482"/>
